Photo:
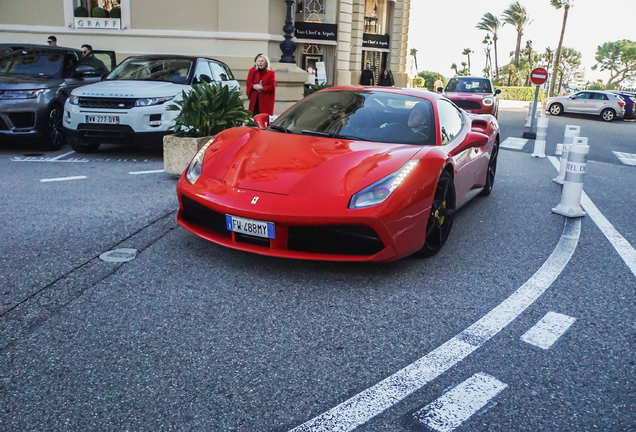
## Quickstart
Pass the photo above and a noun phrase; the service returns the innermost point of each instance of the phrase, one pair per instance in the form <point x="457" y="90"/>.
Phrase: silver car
<point x="601" y="103"/>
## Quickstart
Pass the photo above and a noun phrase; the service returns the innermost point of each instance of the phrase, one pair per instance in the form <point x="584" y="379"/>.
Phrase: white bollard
<point x="571" y="132"/>
<point x="564" y="162"/>
<point x="539" y="142"/>
<point x="570" y="205"/>
<point x="529" y="118"/>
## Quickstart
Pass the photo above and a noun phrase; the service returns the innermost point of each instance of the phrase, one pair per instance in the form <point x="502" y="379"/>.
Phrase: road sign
<point x="538" y="76"/>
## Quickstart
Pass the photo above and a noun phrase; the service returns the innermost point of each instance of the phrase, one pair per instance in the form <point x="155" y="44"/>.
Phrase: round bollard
<point x="571" y="132"/>
<point x="570" y="205"/>
<point x="539" y="142"/>
<point x="529" y="118"/>
<point x="564" y="162"/>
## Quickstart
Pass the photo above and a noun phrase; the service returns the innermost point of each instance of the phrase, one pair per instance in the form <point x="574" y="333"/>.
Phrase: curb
<point x="514" y="104"/>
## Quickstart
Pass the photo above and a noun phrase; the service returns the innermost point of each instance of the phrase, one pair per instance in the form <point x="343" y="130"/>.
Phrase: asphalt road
<point x="195" y="337"/>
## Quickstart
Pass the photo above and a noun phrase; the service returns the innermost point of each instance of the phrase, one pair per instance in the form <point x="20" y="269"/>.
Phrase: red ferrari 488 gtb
<point x="346" y="174"/>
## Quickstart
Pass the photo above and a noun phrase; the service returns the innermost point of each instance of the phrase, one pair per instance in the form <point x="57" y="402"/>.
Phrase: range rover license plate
<point x="250" y="226"/>
<point x="102" y="119"/>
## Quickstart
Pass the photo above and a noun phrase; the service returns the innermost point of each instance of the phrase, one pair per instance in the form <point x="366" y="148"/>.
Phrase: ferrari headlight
<point x="380" y="190"/>
<point x="21" y="94"/>
<point x="73" y="100"/>
<point x="487" y="101"/>
<point x="152" y="101"/>
<point x="196" y="166"/>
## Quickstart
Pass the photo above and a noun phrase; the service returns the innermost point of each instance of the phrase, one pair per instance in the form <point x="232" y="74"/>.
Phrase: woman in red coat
<point x="261" y="87"/>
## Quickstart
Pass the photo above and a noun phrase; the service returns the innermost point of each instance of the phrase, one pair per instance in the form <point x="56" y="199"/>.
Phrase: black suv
<point x="35" y="81"/>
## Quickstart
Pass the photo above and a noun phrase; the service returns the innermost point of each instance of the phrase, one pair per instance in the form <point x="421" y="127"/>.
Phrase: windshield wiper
<point x="280" y="129"/>
<point x="331" y="135"/>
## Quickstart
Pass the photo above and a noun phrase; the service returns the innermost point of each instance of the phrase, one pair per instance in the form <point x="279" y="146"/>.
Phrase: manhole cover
<point x="119" y="255"/>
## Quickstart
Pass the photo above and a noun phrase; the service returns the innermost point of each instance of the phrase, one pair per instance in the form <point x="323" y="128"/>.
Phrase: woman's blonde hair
<point x="266" y="61"/>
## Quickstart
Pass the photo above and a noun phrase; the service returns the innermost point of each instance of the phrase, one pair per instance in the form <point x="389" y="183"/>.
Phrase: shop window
<point x="90" y="5"/>
<point x="375" y="16"/>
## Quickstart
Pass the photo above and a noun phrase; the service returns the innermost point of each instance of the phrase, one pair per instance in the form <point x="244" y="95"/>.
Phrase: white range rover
<point x="129" y="105"/>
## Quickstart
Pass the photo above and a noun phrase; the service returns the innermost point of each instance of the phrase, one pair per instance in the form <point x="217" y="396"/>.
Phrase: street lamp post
<point x="288" y="46"/>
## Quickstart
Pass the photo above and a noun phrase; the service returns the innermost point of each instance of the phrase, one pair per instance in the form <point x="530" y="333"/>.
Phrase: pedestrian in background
<point x="367" y="77"/>
<point x="261" y="86"/>
<point x="438" y="84"/>
<point x="386" y="79"/>
<point x="51" y="40"/>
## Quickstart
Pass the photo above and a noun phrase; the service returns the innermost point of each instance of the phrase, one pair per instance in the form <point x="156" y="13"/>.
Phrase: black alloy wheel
<point x="608" y="114"/>
<point x="53" y="136"/>
<point x="492" y="169"/>
<point x="556" y="109"/>
<point x="440" y="221"/>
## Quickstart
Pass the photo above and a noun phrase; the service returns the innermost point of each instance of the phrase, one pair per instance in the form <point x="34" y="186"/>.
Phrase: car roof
<point x="172" y="56"/>
<point x="37" y="46"/>
<point x="394" y="90"/>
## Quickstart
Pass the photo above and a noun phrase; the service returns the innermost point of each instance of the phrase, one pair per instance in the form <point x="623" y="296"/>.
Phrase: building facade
<point x="337" y="37"/>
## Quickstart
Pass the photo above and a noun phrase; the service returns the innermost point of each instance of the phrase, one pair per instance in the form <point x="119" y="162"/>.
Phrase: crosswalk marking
<point x="626" y="158"/>
<point x="514" y="143"/>
<point x="546" y="332"/>
<point x="457" y="405"/>
<point x="63" y="179"/>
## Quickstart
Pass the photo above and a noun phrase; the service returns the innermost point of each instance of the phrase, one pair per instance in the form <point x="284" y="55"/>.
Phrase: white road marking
<point x="626" y="158"/>
<point x="622" y="246"/>
<point x="146" y="172"/>
<point x="63" y="179"/>
<point x="365" y="405"/>
<point x="46" y="159"/>
<point x="513" y="143"/>
<point x="62" y="155"/>
<point x="457" y="405"/>
<point x="546" y="332"/>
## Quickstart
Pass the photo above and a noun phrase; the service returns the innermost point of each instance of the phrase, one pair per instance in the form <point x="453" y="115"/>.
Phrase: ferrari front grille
<point x="335" y="239"/>
<point x="468" y="105"/>
<point x="201" y="215"/>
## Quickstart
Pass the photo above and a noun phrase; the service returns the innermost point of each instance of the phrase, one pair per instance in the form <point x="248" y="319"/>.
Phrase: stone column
<point x="343" y="50"/>
<point x="399" y="41"/>
<point x="355" y="63"/>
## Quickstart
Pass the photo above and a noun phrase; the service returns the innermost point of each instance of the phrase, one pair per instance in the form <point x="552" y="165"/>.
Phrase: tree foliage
<point x="208" y="109"/>
<point x="491" y="24"/>
<point x="430" y="78"/>
<point x="517" y="16"/>
<point x="619" y="58"/>
<point x="566" y="5"/>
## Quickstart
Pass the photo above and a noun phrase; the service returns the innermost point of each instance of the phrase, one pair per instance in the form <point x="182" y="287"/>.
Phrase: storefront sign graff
<point x="316" y="31"/>
<point x="375" y="41"/>
<point x="98" y="23"/>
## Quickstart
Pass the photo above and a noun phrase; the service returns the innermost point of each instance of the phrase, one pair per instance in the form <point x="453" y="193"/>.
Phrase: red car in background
<point x="473" y="94"/>
<point x="346" y="174"/>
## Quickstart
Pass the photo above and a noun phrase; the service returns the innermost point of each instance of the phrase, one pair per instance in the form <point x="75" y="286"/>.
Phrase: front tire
<point x="53" y="137"/>
<point x="83" y="147"/>
<point x="492" y="170"/>
<point x="440" y="221"/>
<point x="556" y="109"/>
<point x="608" y="114"/>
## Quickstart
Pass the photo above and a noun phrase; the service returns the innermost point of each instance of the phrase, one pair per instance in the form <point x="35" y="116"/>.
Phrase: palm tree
<point x="491" y="24"/>
<point x="566" y="5"/>
<point x="454" y="66"/>
<point x="517" y="16"/>
<point x="414" y="54"/>
<point x="468" y="52"/>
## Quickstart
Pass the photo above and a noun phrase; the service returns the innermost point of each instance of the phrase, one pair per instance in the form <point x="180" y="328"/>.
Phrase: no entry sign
<point x="538" y="76"/>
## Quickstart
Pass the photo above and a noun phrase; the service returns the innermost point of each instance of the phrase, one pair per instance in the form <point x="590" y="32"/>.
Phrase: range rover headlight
<point x="196" y="166"/>
<point x="152" y="101"/>
<point x="73" y="100"/>
<point x="487" y="101"/>
<point x="21" y="94"/>
<point x="382" y="189"/>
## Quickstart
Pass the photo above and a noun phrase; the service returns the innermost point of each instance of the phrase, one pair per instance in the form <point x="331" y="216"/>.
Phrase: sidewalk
<point x="514" y="104"/>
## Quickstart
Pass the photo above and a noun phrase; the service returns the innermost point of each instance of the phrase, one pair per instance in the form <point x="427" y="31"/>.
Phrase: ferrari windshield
<point x="361" y="115"/>
<point x="469" y="85"/>
<point x="34" y="62"/>
<point x="174" y="70"/>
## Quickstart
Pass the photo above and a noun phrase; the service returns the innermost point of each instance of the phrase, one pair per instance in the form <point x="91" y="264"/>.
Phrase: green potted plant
<point x="115" y="12"/>
<point x="206" y="110"/>
<point x="80" y="12"/>
<point x="98" y="12"/>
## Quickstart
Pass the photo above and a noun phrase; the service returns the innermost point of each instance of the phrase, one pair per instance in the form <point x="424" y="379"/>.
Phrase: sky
<point x="440" y="31"/>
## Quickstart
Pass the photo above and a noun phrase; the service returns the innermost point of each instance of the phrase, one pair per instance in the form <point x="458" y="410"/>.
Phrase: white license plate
<point x="250" y="226"/>
<point x="102" y="119"/>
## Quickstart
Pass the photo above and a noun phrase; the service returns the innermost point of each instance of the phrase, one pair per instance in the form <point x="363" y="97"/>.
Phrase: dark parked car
<point x="630" y="103"/>
<point x="35" y="81"/>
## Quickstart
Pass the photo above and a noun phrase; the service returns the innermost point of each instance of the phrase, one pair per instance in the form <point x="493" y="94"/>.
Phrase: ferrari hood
<point x="264" y="161"/>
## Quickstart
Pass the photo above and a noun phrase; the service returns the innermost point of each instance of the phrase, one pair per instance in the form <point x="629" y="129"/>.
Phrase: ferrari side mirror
<point x="262" y="120"/>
